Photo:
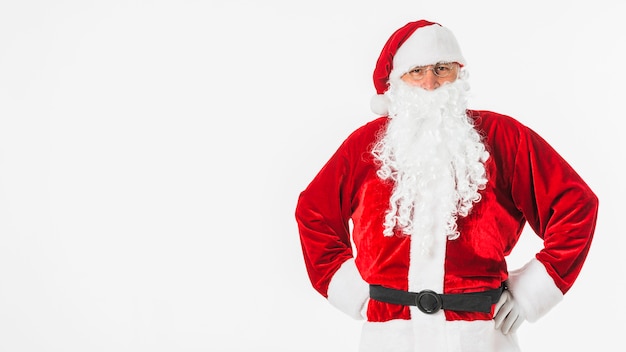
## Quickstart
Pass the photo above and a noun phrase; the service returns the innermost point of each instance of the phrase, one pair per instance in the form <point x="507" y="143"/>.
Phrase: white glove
<point x="508" y="315"/>
<point x="364" y="309"/>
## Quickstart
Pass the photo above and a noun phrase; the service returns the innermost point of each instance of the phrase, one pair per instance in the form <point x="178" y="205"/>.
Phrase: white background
<point x="151" y="155"/>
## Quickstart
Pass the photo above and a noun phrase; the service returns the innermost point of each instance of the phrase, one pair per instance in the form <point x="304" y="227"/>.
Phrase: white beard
<point x="435" y="157"/>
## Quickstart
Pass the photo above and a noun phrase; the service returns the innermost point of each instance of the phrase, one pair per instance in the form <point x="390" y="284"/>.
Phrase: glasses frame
<point x="454" y="66"/>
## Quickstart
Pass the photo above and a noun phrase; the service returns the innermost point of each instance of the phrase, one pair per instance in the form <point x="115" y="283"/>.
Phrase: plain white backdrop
<point x="152" y="152"/>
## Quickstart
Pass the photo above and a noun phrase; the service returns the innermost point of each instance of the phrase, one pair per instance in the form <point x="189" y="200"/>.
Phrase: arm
<point x="322" y="213"/>
<point x="562" y="210"/>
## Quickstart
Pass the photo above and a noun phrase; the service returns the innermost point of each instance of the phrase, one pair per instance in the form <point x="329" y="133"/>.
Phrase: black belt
<point x="430" y="302"/>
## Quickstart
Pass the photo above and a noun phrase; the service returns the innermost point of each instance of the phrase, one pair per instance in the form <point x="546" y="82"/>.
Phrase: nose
<point x="430" y="81"/>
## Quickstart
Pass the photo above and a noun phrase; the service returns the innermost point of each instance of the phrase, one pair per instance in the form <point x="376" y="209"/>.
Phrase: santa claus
<point x="438" y="196"/>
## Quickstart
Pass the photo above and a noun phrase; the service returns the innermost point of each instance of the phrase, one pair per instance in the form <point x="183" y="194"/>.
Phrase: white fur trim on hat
<point x="426" y="46"/>
<point x="380" y="104"/>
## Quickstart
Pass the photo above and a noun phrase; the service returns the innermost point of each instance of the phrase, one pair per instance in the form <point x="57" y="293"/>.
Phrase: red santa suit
<point x="528" y="182"/>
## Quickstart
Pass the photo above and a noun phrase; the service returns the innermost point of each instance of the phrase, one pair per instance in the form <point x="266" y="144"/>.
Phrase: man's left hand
<point x="508" y="315"/>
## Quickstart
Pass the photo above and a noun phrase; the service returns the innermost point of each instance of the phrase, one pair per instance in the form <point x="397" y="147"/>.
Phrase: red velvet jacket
<point x="528" y="182"/>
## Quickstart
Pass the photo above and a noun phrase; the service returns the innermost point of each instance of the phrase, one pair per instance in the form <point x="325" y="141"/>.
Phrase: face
<point x="432" y="77"/>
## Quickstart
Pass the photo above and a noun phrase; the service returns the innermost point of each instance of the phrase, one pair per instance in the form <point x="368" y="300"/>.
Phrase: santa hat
<point x="418" y="43"/>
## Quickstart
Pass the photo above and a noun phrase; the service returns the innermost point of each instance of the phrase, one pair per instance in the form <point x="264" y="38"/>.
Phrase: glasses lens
<point x="443" y="70"/>
<point x="418" y="72"/>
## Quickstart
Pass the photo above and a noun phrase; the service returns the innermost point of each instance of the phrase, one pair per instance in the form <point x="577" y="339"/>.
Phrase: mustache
<point x="417" y="103"/>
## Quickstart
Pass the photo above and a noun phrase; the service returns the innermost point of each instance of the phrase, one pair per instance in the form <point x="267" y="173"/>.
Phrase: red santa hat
<point x="418" y="43"/>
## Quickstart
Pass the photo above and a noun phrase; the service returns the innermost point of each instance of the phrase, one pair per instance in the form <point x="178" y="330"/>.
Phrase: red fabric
<point x="528" y="182"/>
<point x="384" y="65"/>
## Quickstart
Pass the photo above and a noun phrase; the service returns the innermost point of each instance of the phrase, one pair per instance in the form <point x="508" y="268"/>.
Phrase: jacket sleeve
<point x="562" y="210"/>
<point x="323" y="212"/>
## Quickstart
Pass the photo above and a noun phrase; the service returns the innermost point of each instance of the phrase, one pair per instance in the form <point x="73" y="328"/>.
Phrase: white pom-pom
<point x="380" y="104"/>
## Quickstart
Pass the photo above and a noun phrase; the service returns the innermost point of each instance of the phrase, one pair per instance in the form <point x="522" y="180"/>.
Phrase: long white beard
<point x="435" y="157"/>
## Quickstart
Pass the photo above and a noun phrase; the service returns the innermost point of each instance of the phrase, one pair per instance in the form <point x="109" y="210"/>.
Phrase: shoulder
<point x="493" y="125"/>
<point x="368" y="132"/>
<point x="489" y="119"/>
<point x="373" y="127"/>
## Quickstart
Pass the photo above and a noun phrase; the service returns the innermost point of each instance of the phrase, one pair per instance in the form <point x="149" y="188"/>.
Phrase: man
<point x="438" y="196"/>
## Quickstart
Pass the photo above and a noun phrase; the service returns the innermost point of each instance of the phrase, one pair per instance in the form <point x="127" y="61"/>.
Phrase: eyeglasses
<point x="440" y="69"/>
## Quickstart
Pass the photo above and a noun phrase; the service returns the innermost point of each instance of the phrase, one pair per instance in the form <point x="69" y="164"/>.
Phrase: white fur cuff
<point x="347" y="291"/>
<point x="534" y="289"/>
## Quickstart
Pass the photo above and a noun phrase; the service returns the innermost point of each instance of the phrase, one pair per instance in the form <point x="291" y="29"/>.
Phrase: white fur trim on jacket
<point x="452" y="336"/>
<point x="347" y="290"/>
<point x="534" y="289"/>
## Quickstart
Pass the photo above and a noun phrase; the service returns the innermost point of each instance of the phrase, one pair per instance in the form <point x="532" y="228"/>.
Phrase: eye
<point x="417" y="70"/>
<point x="442" y="68"/>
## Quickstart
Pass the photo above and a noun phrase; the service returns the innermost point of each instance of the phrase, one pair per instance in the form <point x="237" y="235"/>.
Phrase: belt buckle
<point x="428" y="301"/>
